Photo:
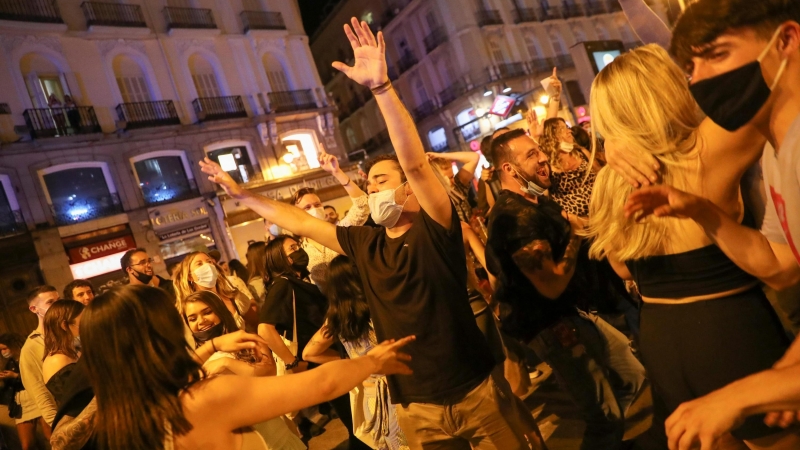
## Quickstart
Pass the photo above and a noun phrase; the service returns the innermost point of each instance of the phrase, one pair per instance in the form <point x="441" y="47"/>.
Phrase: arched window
<point x="602" y="32"/>
<point x="131" y="80"/>
<point x="203" y="76"/>
<point x="275" y="74"/>
<point x="365" y="128"/>
<point x="558" y="45"/>
<point x="420" y="92"/>
<point x="496" y="51"/>
<point x="351" y="138"/>
<point x="43" y="79"/>
<point x="236" y="158"/>
<point x="438" y="139"/>
<point x="78" y="192"/>
<point x="473" y="129"/>
<point x="303" y="148"/>
<point x="532" y="44"/>
<point x="11" y="221"/>
<point x="445" y="70"/>
<point x="579" y="33"/>
<point x="164" y="177"/>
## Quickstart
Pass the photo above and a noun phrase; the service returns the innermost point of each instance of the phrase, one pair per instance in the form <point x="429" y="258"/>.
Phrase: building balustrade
<point x="219" y="108"/>
<point x="148" y="114"/>
<point x="65" y="121"/>
<point x="113" y="14"/>
<point x="262" y="20"/>
<point x="511" y="70"/>
<point x="43" y="11"/>
<point x="488" y="17"/>
<point x="189" y="18"/>
<point x="292" y="101"/>
<point x="452" y="92"/>
<point x="523" y="15"/>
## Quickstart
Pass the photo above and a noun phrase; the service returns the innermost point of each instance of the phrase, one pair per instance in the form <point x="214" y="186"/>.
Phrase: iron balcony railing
<point x="522" y="15"/>
<point x="407" y="61"/>
<point x="292" y="100"/>
<point x="219" y="108"/>
<point x="423" y="111"/>
<point x="511" y="70"/>
<point x="488" y="17"/>
<point x="262" y="20"/>
<point x="542" y="65"/>
<point x="45" y="11"/>
<point x="571" y="10"/>
<point x="11" y="222"/>
<point x="436" y="38"/>
<point x="113" y="14"/>
<point x="452" y="92"/>
<point x="148" y="114"/>
<point x="52" y="122"/>
<point x="564" y="61"/>
<point x="189" y="18"/>
<point x="594" y="8"/>
<point x="87" y="208"/>
<point x="551" y="13"/>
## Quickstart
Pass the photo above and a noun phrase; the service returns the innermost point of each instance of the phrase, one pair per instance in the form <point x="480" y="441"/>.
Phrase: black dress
<point x="58" y="382"/>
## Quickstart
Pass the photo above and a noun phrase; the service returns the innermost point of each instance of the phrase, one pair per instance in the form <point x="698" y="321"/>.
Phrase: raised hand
<point x="370" y="56"/>
<point x="222" y="178"/>
<point x="556" y="84"/>
<point x="388" y="359"/>
<point x="329" y="163"/>
<point x="662" y="201"/>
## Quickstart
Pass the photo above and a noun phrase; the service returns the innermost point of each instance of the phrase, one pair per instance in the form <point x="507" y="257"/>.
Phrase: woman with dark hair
<point x="167" y="397"/>
<point x="348" y="320"/>
<point x="208" y="318"/>
<point x="61" y="345"/>
<point x="21" y="406"/>
<point x="257" y="268"/>
<point x="238" y="269"/>
<point x="573" y="167"/>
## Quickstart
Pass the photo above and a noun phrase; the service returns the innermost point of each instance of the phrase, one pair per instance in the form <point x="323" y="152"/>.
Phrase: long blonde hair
<point x="641" y="102"/>
<point x="185" y="288"/>
<point x="549" y="143"/>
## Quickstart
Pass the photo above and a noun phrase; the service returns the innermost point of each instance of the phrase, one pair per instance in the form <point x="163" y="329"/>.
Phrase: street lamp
<point x="487" y="92"/>
<point x="480" y="112"/>
<point x="506" y="88"/>
<point x="544" y="99"/>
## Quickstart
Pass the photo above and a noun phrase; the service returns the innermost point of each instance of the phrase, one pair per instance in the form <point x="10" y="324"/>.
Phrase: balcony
<point x="511" y="70"/>
<point x="436" y="38"/>
<point x="11" y="223"/>
<point x="488" y="17"/>
<point x="219" y="108"/>
<point x="291" y="101"/>
<point x="148" y="114"/>
<point x="551" y="13"/>
<point x="571" y="10"/>
<point x="452" y="92"/>
<point x="594" y="8"/>
<point x="83" y="209"/>
<point x="542" y="65"/>
<point x="43" y="11"/>
<point x="406" y="62"/>
<point x="52" y="122"/>
<point x="262" y="20"/>
<point x="113" y="15"/>
<point x="523" y="15"/>
<point x="189" y="18"/>
<point x="423" y="111"/>
<point x="564" y="61"/>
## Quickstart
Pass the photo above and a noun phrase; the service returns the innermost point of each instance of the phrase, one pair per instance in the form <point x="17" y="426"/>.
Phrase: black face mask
<point x="143" y="277"/>
<point x="733" y="99"/>
<point x="299" y="260"/>
<point x="211" y="333"/>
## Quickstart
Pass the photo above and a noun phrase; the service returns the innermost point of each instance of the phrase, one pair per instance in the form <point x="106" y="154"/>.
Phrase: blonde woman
<point x="704" y="321"/>
<point x="199" y="272"/>
<point x="572" y="167"/>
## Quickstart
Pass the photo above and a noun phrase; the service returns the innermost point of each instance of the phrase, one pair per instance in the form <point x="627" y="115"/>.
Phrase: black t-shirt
<point x="277" y="309"/>
<point x="416" y="284"/>
<point x="530" y="312"/>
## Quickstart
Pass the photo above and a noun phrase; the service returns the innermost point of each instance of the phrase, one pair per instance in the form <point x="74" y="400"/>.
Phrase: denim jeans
<point x="594" y="364"/>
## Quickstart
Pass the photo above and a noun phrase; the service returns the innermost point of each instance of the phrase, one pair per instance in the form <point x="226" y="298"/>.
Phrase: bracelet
<point x="348" y="182"/>
<point x="214" y="346"/>
<point x="294" y="363"/>
<point x="382" y="88"/>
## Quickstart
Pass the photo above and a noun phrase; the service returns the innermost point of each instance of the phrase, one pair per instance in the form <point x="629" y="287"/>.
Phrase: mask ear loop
<point x="784" y="62"/>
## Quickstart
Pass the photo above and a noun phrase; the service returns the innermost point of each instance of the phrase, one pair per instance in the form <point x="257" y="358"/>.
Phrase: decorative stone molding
<point x="12" y="42"/>
<point x="107" y="46"/>
<point x="185" y="45"/>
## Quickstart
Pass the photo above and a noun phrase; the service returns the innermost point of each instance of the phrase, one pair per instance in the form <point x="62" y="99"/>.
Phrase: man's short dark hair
<point x="329" y="207"/>
<point x="501" y="152"/>
<point x="35" y="292"/>
<point x="705" y="20"/>
<point x="125" y="261"/>
<point x="302" y="192"/>
<point x="390" y="157"/>
<point x="76" y="284"/>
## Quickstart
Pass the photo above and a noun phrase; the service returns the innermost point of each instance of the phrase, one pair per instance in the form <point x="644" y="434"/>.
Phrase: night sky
<point x="314" y="11"/>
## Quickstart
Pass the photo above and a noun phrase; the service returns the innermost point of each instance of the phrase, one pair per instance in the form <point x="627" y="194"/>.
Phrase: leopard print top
<point x="569" y="190"/>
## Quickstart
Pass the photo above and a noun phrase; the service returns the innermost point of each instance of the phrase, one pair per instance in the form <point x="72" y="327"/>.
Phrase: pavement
<point x="558" y="419"/>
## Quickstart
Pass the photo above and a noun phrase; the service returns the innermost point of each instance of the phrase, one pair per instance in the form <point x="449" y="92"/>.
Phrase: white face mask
<point x="318" y="212"/>
<point x="7" y="355"/>
<point x="566" y="147"/>
<point x="532" y="189"/>
<point x="206" y="276"/>
<point x="383" y="209"/>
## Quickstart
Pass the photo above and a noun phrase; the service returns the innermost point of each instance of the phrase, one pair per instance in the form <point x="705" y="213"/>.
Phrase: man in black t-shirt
<point x="544" y="272"/>
<point x="414" y="277"/>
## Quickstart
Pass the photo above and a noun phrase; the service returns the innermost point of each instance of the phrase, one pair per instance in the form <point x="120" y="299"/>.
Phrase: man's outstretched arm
<point x="285" y="216"/>
<point x="370" y="70"/>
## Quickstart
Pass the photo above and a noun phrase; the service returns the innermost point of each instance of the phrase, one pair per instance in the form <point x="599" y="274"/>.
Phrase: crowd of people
<point x="420" y="316"/>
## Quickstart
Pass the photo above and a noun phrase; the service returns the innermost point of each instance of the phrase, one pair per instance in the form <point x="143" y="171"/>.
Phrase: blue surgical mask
<point x="532" y="189"/>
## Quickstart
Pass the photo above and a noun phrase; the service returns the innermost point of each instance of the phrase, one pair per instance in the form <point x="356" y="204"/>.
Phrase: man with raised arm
<point x="414" y="276"/>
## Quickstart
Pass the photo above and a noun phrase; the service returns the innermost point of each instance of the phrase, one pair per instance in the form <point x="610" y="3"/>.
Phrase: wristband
<point x="382" y="88"/>
<point x="293" y="364"/>
<point x="348" y="182"/>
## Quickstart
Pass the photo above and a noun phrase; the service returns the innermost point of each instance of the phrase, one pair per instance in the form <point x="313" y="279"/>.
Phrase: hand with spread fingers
<point x="702" y="422"/>
<point x="641" y="170"/>
<point x="370" y="56"/>
<point x="662" y="201"/>
<point x="222" y="178"/>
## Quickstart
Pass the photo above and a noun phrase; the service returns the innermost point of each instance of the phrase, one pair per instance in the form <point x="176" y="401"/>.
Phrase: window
<point x="558" y="46"/>
<point x="351" y="138"/>
<point x="473" y="129"/>
<point x="431" y="21"/>
<point x="205" y="81"/>
<point x="80" y="194"/>
<point x="163" y="179"/>
<point x="365" y="129"/>
<point x="437" y="139"/>
<point x="532" y="44"/>
<point x="275" y="74"/>
<point x="235" y="161"/>
<point x="419" y="89"/>
<point x="42" y="78"/>
<point x="304" y="151"/>
<point x="10" y="216"/>
<point x="496" y="52"/>
<point x="580" y="35"/>
<point x="130" y="80"/>
<point x="602" y="32"/>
